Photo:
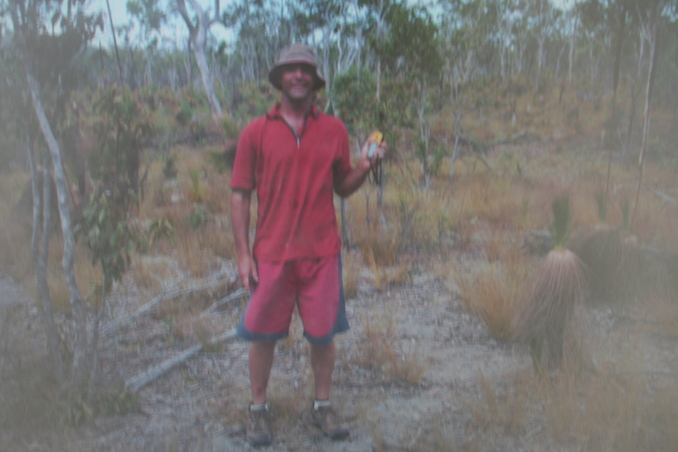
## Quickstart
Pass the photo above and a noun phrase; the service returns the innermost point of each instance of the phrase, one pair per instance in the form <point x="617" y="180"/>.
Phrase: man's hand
<point x="240" y="220"/>
<point x="379" y="152"/>
<point x="247" y="271"/>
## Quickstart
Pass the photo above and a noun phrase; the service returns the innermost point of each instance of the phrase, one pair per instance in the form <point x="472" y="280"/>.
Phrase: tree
<point x="412" y="53"/>
<point x="150" y="17"/>
<point x="198" y="27"/>
<point x="45" y="56"/>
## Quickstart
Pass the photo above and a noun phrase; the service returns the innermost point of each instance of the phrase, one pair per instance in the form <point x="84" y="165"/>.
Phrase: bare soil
<point x="200" y="405"/>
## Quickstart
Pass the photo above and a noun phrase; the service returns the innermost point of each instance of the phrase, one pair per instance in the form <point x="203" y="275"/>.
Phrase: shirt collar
<point x="274" y="112"/>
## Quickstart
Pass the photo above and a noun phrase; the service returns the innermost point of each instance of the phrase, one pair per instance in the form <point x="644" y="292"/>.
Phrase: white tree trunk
<point x="198" y="40"/>
<point x="41" y="270"/>
<point x="80" y="346"/>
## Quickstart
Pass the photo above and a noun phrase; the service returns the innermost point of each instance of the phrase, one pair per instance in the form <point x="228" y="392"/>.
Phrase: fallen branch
<point x="661" y="195"/>
<point x="512" y="139"/>
<point x="135" y="383"/>
<point x="167" y="294"/>
<point x="227" y="299"/>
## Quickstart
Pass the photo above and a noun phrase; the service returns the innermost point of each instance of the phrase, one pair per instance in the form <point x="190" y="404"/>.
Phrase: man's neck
<point x="295" y="110"/>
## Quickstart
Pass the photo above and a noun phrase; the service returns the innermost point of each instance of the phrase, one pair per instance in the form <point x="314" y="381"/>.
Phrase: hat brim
<point x="275" y="75"/>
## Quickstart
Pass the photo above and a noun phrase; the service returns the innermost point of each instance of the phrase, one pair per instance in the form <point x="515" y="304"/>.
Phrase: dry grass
<point x="150" y="272"/>
<point x="503" y="406"/>
<point x="495" y="292"/>
<point x="396" y="359"/>
<point x="350" y="273"/>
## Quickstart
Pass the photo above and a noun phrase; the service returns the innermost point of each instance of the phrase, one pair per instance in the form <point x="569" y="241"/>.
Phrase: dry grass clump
<point x="503" y="406"/>
<point x="150" y="273"/>
<point x="608" y="410"/>
<point x="396" y="359"/>
<point x="495" y="292"/>
<point x="350" y="266"/>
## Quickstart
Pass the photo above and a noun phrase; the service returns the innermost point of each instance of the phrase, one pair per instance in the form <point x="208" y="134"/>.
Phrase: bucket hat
<point x="296" y="54"/>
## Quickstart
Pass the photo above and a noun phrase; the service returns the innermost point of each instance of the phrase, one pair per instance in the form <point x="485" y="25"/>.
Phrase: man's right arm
<point x="240" y="222"/>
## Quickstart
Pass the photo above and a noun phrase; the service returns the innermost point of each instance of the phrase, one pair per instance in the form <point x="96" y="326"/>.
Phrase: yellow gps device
<point x="375" y="139"/>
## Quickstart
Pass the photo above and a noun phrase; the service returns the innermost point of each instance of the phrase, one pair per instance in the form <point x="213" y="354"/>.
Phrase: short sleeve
<point x="342" y="164"/>
<point x="243" y="175"/>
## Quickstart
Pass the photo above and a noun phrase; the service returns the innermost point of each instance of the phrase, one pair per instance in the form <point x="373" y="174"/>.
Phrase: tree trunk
<point x="618" y="54"/>
<point x="41" y="273"/>
<point x="648" y="99"/>
<point x="35" y="189"/>
<point x="572" y="40"/>
<point x="197" y="39"/>
<point x="80" y="346"/>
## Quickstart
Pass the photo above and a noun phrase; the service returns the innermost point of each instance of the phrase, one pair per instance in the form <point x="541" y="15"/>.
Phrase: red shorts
<point x="313" y="285"/>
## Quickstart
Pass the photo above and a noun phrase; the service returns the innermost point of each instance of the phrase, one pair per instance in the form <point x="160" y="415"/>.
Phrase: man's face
<point x="297" y="81"/>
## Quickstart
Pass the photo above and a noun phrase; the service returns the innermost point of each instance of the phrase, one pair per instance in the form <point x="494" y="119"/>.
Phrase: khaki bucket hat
<point x="295" y="54"/>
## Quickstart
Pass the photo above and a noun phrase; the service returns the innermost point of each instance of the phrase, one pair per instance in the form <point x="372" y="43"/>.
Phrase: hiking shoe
<point x="258" y="432"/>
<point x="325" y="418"/>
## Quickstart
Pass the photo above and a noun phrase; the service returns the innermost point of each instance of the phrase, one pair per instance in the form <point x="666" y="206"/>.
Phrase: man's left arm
<point x="354" y="179"/>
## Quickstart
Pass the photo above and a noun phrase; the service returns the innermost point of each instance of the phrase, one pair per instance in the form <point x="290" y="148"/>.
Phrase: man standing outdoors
<point x="295" y="157"/>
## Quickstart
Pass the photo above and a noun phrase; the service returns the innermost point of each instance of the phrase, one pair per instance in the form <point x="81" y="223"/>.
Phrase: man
<point x="295" y="157"/>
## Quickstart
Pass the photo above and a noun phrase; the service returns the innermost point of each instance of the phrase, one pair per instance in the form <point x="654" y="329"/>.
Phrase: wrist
<point x="364" y="164"/>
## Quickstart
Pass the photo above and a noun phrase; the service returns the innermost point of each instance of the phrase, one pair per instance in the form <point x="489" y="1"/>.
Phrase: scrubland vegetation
<point x="513" y="287"/>
<point x="477" y="236"/>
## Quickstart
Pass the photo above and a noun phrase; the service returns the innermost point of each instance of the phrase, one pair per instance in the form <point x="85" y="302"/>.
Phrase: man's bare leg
<point x="261" y="362"/>
<point x="322" y="363"/>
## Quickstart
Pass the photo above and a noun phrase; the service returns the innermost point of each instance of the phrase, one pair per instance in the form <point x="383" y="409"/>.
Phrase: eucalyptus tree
<point x="650" y="25"/>
<point x="198" y="25"/>
<point x="150" y="17"/>
<point x="542" y="21"/>
<point x="375" y="34"/>
<point x="48" y="35"/>
<point x="412" y="54"/>
<point x="334" y="27"/>
<point x="262" y="28"/>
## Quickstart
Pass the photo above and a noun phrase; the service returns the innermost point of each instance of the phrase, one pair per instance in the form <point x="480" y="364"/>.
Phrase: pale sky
<point x="177" y="29"/>
<point x="120" y="17"/>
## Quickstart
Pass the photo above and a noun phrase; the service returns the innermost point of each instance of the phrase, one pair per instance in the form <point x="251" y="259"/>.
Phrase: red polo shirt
<point x="294" y="179"/>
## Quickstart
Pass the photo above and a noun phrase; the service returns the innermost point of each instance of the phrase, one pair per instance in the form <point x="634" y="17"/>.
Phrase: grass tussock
<point x="350" y="274"/>
<point x="495" y="292"/>
<point x="499" y="406"/>
<point x="395" y="359"/>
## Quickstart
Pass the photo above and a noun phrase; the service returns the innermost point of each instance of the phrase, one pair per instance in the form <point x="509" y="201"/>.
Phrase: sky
<point x="177" y="28"/>
<point x="120" y="17"/>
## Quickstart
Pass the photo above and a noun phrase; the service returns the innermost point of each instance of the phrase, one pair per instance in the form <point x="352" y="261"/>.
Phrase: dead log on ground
<point x="169" y="293"/>
<point x="137" y="382"/>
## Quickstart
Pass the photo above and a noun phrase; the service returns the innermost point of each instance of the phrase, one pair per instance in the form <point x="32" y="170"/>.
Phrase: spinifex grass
<point x="559" y="285"/>
<point x="493" y="292"/>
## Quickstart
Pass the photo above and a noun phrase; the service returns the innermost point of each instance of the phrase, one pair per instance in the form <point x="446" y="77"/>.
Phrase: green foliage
<point x="197" y="192"/>
<point x="107" y="234"/>
<point x="354" y="103"/>
<point x="413" y="39"/>
<point x="185" y="113"/>
<point x="198" y="217"/>
<point x="561" y="226"/>
<point x="159" y="228"/>
<point x="169" y="168"/>
<point x="122" y="125"/>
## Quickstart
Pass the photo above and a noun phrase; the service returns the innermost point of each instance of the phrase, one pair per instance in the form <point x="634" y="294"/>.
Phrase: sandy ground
<point x="200" y="405"/>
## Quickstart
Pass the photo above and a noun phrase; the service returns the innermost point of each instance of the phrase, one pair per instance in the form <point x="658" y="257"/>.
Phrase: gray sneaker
<point x="258" y="432"/>
<point x="325" y="418"/>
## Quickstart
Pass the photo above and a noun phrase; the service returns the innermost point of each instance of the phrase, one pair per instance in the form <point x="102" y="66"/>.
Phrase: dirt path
<point x="447" y="354"/>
